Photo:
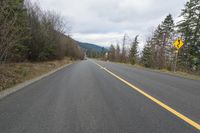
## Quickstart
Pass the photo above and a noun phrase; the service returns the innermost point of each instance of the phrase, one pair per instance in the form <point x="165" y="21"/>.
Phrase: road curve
<point x="83" y="98"/>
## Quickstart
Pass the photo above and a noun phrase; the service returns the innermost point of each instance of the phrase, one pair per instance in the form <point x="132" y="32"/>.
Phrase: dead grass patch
<point x="14" y="73"/>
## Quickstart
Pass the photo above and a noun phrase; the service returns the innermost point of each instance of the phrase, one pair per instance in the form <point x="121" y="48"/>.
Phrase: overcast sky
<point x="105" y="21"/>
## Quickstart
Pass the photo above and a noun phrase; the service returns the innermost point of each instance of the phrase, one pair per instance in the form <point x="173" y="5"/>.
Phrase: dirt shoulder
<point x="177" y="73"/>
<point x="14" y="73"/>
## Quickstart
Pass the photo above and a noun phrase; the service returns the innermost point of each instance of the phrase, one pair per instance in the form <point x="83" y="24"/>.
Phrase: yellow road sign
<point x="178" y="43"/>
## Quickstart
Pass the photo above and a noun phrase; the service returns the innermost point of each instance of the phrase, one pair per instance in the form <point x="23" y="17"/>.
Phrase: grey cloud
<point x="114" y="16"/>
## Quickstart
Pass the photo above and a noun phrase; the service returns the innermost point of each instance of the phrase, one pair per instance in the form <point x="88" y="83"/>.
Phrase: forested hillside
<point x="93" y="50"/>
<point x="27" y="33"/>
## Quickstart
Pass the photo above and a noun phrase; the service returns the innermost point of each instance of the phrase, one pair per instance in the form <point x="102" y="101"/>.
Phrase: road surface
<point x="84" y="98"/>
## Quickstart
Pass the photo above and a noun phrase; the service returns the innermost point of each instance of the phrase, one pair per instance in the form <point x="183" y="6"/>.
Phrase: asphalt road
<point x="84" y="98"/>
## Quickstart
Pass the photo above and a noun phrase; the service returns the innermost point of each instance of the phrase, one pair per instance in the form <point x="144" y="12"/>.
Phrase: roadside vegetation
<point x="27" y="33"/>
<point x="159" y="52"/>
<point x="14" y="73"/>
<point x="31" y="40"/>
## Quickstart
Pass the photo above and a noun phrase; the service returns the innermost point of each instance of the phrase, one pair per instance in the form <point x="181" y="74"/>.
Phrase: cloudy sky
<point x="105" y="21"/>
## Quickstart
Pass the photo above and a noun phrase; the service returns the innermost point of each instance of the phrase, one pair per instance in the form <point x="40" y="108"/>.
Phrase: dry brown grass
<point x="177" y="73"/>
<point x="14" y="73"/>
<point x="165" y="71"/>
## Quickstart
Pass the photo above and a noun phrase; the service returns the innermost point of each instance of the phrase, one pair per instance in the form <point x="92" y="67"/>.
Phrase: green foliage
<point x="92" y="47"/>
<point x="19" y="53"/>
<point x="117" y="53"/>
<point x="159" y="51"/>
<point x="13" y="30"/>
<point x="134" y="51"/>
<point x="147" y="55"/>
<point x="161" y="44"/>
<point x="111" y="53"/>
<point x="28" y="33"/>
<point x="189" y="27"/>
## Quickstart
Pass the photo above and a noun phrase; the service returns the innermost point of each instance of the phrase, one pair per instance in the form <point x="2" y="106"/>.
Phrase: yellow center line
<point x="168" y="108"/>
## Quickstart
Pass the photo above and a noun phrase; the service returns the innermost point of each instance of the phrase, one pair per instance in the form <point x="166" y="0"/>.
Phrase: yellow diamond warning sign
<point x="178" y="43"/>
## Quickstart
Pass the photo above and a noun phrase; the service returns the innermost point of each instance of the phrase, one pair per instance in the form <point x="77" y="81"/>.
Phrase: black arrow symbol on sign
<point x="179" y="41"/>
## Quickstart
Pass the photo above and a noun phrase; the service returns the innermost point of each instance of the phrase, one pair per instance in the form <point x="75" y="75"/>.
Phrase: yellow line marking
<point x="173" y="111"/>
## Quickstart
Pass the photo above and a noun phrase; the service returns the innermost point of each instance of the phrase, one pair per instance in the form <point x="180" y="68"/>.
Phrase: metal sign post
<point x="177" y="44"/>
<point x="175" y="63"/>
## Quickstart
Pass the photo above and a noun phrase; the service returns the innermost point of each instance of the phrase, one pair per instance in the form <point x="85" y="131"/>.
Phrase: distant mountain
<point x="92" y="47"/>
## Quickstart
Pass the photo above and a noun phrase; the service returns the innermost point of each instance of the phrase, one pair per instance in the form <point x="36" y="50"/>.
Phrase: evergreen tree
<point x="162" y="43"/>
<point x="123" y="55"/>
<point x="156" y="46"/>
<point x="134" y="51"/>
<point x="13" y="30"/>
<point x="20" y="51"/>
<point x="117" y="53"/>
<point x="111" y="54"/>
<point x="28" y="33"/>
<point x="189" y="27"/>
<point x="167" y="41"/>
<point x="147" y="55"/>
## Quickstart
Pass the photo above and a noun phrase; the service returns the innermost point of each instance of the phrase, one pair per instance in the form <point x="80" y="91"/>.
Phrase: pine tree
<point x="123" y="55"/>
<point x="20" y="50"/>
<point x="111" y="55"/>
<point x="156" y="46"/>
<point x="162" y="43"/>
<point x="147" y="55"/>
<point x="117" y="53"/>
<point x="134" y="51"/>
<point x="195" y="48"/>
<point x="167" y="40"/>
<point x="189" y="27"/>
<point x="13" y="30"/>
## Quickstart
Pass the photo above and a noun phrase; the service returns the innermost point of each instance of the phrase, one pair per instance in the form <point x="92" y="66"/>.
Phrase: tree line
<point x="27" y="33"/>
<point x="159" y="52"/>
<point x="96" y="54"/>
